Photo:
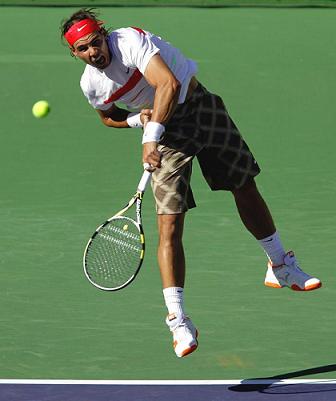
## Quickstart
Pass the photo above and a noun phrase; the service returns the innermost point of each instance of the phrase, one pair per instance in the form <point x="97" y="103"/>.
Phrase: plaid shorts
<point x="200" y="127"/>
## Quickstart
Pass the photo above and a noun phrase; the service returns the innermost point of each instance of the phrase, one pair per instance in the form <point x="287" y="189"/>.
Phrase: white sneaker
<point x="184" y="334"/>
<point x="290" y="275"/>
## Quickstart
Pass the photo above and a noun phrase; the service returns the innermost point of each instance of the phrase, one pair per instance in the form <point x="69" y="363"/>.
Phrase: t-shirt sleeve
<point x="137" y="48"/>
<point x="91" y="94"/>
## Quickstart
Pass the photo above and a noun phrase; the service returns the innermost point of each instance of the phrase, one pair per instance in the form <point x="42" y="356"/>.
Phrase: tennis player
<point x="181" y="120"/>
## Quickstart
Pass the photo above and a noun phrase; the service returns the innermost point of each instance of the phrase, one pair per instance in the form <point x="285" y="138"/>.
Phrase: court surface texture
<point x="65" y="174"/>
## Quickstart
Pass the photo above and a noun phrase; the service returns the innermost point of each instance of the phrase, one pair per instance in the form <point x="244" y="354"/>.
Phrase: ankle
<point x="174" y="299"/>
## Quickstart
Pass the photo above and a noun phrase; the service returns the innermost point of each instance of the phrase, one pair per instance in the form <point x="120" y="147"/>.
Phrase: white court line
<point x="167" y="382"/>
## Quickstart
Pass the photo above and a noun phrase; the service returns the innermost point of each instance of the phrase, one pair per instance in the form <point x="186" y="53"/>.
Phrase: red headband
<point x="81" y="29"/>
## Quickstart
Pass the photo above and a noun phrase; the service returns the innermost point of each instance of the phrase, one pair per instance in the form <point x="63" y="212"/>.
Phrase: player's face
<point x="93" y="50"/>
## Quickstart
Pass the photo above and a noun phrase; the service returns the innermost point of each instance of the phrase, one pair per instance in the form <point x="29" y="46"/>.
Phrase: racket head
<point x="114" y="253"/>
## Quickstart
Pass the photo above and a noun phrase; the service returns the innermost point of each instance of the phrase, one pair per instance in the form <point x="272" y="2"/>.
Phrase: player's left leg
<point x="253" y="211"/>
<point x="228" y="164"/>
<point x="283" y="269"/>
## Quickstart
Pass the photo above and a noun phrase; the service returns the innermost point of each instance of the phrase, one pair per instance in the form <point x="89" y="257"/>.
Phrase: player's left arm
<point x="116" y="117"/>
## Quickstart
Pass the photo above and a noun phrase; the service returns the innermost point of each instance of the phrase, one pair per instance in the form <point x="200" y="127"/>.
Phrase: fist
<point x="151" y="155"/>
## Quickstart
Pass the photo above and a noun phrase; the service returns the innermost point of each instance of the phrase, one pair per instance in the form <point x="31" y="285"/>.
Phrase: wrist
<point x="134" y="121"/>
<point x="153" y="132"/>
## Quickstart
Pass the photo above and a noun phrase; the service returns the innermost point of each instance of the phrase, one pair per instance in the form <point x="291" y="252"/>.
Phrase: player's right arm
<point x="116" y="117"/>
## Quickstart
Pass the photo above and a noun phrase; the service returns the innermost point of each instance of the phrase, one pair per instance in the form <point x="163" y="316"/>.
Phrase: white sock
<point x="273" y="249"/>
<point x="174" y="300"/>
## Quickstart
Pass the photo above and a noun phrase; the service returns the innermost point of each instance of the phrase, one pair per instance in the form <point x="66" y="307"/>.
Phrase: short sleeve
<point x="91" y="94"/>
<point x="137" y="48"/>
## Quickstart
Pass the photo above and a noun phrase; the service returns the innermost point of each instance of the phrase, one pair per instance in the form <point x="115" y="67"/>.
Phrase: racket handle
<point x="146" y="176"/>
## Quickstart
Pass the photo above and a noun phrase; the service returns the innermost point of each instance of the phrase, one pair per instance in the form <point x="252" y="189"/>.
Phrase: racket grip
<point x="146" y="176"/>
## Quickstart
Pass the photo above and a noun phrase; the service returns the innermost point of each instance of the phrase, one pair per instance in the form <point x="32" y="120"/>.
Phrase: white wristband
<point x="153" y="132"/>
<point x="134" y="121"/>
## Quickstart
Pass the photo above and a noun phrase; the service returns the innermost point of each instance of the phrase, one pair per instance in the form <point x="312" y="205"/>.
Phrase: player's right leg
<point x="172" y="269"/>
<point x="173" y="196"/>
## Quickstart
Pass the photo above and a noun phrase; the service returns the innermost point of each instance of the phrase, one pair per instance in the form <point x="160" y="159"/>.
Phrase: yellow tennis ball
<point x="125" y="228"/>
<point x="41" y="109"/>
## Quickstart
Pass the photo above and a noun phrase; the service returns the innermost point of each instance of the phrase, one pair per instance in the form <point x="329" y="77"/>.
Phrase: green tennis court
<point x="63" y="175"/>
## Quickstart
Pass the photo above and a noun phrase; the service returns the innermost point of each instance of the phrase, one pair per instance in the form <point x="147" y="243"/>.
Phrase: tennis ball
<point x="125" y="227"/>
<point x="41" y="109"/>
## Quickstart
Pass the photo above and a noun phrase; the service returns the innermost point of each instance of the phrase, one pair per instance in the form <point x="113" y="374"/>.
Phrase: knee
<point x="170" y="228"/>
<point x="249" y="188"/>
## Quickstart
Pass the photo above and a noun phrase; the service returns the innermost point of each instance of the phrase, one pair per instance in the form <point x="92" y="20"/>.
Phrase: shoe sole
<point x="295" y="287"/>
<point x="189" y="350"/>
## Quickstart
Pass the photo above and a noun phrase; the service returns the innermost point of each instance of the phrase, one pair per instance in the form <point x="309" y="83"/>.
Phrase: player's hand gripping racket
<point x="115" y="252"/>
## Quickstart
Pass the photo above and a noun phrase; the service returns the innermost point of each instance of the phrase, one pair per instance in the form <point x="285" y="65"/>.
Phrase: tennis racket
<point x="115" y="252"/>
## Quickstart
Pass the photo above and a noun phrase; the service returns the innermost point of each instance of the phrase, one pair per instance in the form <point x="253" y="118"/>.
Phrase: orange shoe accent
<point x="313" y="286"/>
<point x="273" y="285"/>
<point x="189" y="350"/>
<point x="171" y="316"/>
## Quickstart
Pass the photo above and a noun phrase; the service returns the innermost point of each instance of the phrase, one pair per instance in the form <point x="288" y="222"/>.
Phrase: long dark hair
<point x="79" y="15"/>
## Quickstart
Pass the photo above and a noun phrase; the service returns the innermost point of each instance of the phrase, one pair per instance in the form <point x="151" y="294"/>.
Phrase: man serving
<point x="182" y="120"/>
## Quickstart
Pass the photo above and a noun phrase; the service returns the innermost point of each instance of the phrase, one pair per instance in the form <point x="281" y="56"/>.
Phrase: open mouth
<point x="100" y="61"/>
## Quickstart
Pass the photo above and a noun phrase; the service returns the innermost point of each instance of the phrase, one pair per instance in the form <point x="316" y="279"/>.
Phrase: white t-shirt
<point x="122" y="81"/>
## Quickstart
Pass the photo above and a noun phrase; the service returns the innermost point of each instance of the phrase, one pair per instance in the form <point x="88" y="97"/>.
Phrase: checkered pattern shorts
<point x="200" y="127"/>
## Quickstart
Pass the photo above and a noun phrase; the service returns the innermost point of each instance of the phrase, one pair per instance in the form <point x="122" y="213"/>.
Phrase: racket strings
<point x="115" y="253"/>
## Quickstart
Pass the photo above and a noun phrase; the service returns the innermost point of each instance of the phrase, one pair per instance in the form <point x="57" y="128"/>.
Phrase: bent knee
<point x="249" y="186"/>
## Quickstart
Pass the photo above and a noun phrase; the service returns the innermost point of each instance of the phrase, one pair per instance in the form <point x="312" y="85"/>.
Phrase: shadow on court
<point x="275" y="388"/>
<point x="269" y="385"/>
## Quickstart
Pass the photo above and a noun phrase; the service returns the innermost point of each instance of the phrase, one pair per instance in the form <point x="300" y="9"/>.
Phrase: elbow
<point x="104" y="121"/>
<point x="108" y="122"/>
<point x="172" y="86"/>
<point x="176" y="87"/>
